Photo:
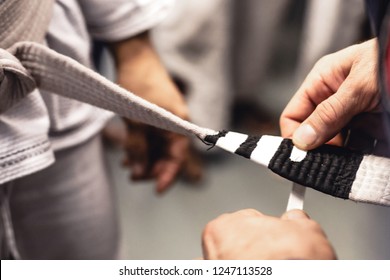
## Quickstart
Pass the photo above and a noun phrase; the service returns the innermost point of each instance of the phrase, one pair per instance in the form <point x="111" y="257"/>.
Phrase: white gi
<point x="65" y="209"/>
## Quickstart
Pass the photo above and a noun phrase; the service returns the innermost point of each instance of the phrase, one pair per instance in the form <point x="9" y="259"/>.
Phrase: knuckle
<point x="324" y="60"/>
<point x="248" y="212"/>
<point x="210" y="230"/>
<point x="313" y="226"/>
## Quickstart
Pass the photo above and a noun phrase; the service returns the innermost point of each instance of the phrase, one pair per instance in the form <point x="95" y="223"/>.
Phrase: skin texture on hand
<point x="341" y="86"/>
<point x="249" y="234"/>
<point x="140" y="70"/>
<point x="151" y="152"/>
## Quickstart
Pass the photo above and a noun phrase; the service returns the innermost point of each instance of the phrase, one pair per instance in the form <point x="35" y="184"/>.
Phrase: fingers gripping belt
<point x="331" y="170"/>
<point x="328" y="169"/>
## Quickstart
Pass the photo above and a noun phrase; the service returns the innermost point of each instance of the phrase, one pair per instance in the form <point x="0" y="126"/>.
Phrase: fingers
<point x="326" y="121"/>
<point x="136" y="147"/>
<point x="220" y="236"/>
<point x="316" y="124"/>
<point x="321" y="83"/>
<point x="248" y="212"/>
<point x="339" y="87"/>
<point x="166" y="172"/>
<point x="155" y="154"/>
<point x="238" y="215"/>
<point x="334" y="113"/>
<point x="170" y="165"/>
<point x="322" y="106"/>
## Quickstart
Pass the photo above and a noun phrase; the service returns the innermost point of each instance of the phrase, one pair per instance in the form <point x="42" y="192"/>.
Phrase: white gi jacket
<point x="42" y="122"/>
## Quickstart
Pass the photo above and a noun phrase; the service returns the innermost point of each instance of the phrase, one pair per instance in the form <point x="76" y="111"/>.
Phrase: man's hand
<point x="159" y="154"/>
<point x="339" y="87"/>
<point x="151" y="152"/>
<point x="248" y="234"/>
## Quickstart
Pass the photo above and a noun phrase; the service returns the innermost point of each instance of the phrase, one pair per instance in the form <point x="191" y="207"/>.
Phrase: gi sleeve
<point x="120" y="19"/>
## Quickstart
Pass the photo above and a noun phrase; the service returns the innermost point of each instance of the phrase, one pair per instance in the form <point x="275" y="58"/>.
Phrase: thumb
<point x="326" y="121"/>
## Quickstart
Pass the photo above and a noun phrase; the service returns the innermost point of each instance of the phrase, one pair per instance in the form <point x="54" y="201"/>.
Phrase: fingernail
<point x="304" y="136"/>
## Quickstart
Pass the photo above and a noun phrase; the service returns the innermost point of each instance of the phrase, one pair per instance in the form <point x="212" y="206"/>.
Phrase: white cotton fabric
<point x="73" y="25"/>
<point x="231" y="141"/>
<point x="66" y="77"/>
<point x="372" y="182"/>
<point x="108" y="23"/>
<point x="43" y="122"/>
<point x="24" y="143"/>
<point x="266" y="149"/>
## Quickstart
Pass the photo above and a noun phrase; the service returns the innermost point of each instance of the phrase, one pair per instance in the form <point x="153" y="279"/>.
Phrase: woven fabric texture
<point x="372" y="183"/>
<point x="21" y="21"/>
<point x="328" y="169"/>
<point x="54" y="72"/>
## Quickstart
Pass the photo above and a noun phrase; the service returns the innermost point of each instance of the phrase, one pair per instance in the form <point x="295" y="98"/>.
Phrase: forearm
<point x="140" y="70"/>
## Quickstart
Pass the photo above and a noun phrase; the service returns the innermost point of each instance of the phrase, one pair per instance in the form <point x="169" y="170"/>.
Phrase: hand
<point x="152" y="152"/>
<point x="163" y="155"/>
<point x="339" y="87"/>
<point x="248" y="234"/>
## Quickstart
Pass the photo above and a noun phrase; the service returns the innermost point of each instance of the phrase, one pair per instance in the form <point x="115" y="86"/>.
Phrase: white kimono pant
<point x="66" y="211"/>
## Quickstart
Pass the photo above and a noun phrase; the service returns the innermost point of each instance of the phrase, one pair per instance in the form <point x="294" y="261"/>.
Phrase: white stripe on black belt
<point x="329" y="169"/>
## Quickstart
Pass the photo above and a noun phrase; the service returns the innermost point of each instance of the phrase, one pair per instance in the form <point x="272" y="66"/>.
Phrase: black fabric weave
<point x="247" y="147"/>
<point x="328" y="169"/>
<point x="212" y="139"/>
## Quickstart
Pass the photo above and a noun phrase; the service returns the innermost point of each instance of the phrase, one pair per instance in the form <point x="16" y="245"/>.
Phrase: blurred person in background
<point x="218" y="52"/>
<point x="222" y="53"/>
